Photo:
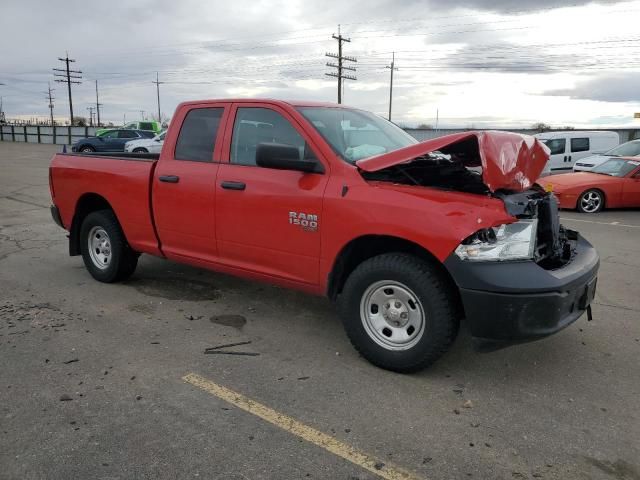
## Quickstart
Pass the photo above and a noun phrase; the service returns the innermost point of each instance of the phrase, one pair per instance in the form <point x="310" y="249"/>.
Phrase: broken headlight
<point x="511" y="241"/>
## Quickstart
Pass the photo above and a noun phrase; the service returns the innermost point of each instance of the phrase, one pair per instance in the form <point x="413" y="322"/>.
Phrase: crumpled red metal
<point x="510" y="161"/>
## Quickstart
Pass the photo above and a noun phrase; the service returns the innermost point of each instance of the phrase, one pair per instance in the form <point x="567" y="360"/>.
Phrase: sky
<point x="470" y="63"/>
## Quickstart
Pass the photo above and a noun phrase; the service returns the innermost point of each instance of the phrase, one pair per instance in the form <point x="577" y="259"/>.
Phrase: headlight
<point x="512" y="241"/>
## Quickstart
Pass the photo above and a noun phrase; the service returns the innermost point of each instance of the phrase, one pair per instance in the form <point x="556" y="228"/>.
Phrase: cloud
<point x="619" y="87"/>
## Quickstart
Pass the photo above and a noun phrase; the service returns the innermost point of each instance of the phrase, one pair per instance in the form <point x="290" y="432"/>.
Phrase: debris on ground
<point x="65" y="398"/>
<point x="218" y="349"/>
<point x="73" y="360"/>
<point x="468" y="404"/>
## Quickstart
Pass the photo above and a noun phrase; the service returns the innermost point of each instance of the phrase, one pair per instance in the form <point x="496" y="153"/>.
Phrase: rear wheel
<point x="591" y="201"/>
<point x="105" y="251"/>
<point x="398" y="312"/>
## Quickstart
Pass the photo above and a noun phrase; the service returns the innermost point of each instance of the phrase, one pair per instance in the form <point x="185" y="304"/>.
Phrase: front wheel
<point x="105" y="251"/>
<point x="140" y="150"/>
<point x="87" y="149"/>
<point x="591" y="201"/>
<point x="399" y="312"/>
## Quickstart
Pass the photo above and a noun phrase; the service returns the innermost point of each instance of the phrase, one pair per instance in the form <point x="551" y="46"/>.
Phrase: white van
<point x="567" y="147"/>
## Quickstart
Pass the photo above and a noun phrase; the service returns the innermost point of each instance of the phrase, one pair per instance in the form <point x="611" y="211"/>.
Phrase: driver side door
<point x="268" y="221"/>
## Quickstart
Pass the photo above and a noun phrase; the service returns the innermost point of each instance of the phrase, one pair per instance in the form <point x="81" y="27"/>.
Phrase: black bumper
<point x="55" y="214"/>
<point x="513" y="302"/>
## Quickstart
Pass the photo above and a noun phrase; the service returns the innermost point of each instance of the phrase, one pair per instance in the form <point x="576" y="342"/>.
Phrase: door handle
<point x="233" y="185"/>
<point x="565" y="158"/>
<point x="569" y="157"/>
<point x="169" y="178"/>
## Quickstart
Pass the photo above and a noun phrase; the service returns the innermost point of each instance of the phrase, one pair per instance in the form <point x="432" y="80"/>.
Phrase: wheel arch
<point x="367" y="246"/>
<point x="86" y="204"/>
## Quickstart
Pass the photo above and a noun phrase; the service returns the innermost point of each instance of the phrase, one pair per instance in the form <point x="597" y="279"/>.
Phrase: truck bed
<point x="120" y="180"/>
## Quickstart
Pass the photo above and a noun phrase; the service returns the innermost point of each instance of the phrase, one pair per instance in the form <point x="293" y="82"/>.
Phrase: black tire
<point x="87" y="149"/>
<point x="598" y="200"/>
<point x="122" y="260"/>
<point x="140" y="150"/>
<point x="435" y="297"/>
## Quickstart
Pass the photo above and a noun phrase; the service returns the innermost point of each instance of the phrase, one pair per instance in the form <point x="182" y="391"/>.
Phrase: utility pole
<point x="158" y="83"/>
<point x="340" y="75"/>
<point x="90" y="115"/>
<point x="98" y="104"/>
<point x="141" y="114"/>
<point x="67" y="78"/>
<point x="49" y="93"/>
<point x="392" y="68"/>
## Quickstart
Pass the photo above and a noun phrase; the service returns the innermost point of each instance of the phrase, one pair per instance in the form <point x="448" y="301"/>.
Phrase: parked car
<point x="150" y="126"/>
<point x="146" y="145"/>
<point x="628" y="149"/>
<point x="569" y="147"/>
<point x="112" y="141"/>
<point x="612" y="184"/>
<point x="340" y="202"/>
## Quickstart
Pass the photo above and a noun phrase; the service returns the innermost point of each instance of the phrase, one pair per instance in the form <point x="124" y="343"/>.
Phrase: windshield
<point x="629" y="149"/>
<point x="356" y="134"/>
<point x="616" y="167"/>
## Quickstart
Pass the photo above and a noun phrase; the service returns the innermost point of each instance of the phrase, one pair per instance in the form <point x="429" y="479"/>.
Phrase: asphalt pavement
<point x="112" y="382"/>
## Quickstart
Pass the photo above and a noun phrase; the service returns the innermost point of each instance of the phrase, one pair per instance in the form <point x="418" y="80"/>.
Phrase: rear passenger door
<point x="184" y="193"/>
<point x="268" y="221"/>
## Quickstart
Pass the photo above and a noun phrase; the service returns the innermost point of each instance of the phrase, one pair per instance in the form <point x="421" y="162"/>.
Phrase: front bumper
<point x="513" y="302"/>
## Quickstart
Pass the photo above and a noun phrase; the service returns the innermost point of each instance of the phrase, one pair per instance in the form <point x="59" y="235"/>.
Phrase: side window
<point x="197" y="137"/>
<point x="579" y="145"/>
<point x="111" y="134"/>
<point x="556" y="145"/>
<point x="146" y="126"/>
<point x="126" y="134"/>
<point x="254" y="126"/>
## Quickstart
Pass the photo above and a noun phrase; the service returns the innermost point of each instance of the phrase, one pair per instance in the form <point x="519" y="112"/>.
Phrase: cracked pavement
<point x="91" y="379"/>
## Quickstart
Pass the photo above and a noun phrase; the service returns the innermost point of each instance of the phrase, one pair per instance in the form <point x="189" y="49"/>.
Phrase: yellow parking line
<point x="291" y="425"/>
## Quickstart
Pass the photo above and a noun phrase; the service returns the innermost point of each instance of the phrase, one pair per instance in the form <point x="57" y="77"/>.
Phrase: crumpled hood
<point x="509" y="161"/>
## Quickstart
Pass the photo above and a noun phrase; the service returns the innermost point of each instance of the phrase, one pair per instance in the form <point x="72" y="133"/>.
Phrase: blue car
<point x="112" y="141"/>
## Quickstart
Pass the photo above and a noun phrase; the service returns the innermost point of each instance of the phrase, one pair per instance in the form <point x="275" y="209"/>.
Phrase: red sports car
<point x="612" y="184"/>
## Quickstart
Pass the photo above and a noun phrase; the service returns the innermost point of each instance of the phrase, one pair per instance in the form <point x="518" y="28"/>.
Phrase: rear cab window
<point x="197" y="137"/>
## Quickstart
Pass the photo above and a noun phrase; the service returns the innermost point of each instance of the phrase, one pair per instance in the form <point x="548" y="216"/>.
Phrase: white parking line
<point x="614" y="224"/>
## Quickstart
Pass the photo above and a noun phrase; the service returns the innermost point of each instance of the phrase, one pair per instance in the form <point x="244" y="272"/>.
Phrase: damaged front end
<point x="518" y="281"/>
<point x="496" y="164"/>
<point x="537" y="235"/>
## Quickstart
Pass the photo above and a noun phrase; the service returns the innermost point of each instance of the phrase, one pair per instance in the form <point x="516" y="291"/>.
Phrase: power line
<point x="340" y="75"/>
<point x="67" y="77"/>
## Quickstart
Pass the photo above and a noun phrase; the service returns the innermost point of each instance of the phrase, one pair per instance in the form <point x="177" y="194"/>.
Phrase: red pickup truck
<point x="409" y="238"/>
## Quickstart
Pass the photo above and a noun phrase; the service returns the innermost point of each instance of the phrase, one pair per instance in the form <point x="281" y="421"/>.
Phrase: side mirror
<point x="285" y="157"/>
